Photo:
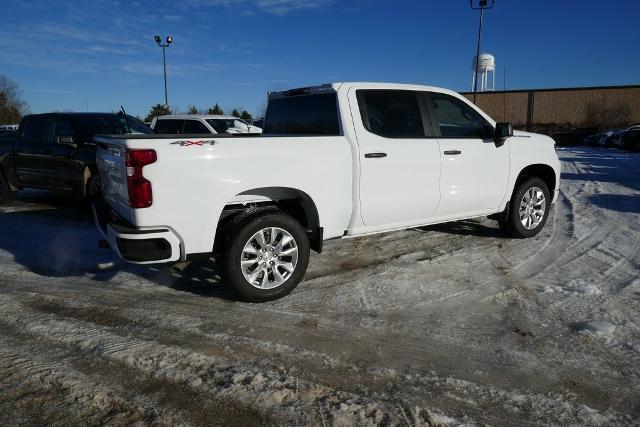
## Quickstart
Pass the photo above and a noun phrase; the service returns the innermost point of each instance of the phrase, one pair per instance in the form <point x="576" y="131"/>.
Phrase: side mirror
<point x="502" y="132"/>
<point x="67" y="140"/>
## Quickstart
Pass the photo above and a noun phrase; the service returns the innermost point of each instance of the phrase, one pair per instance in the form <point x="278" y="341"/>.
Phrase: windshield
<point x="136" y="126"/>
<point x="112" y="124"/>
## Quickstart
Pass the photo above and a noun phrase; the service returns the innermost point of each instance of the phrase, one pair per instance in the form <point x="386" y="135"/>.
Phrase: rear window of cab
<point x="303" y="115"/>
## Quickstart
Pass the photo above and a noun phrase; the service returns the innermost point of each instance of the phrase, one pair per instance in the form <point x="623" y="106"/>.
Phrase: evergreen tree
<point x="246" y="116"/>
<point x="158" y="110"/>
<point x="216" y="109"/>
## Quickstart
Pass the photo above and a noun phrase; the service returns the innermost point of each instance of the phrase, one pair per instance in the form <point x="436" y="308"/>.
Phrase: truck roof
<point x="334" y="87"/>
<point x="198" y="116"/>
<point x="72" y="113"/>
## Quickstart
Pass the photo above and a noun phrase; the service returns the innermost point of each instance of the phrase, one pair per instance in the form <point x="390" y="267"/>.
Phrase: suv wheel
<point x="264" y="255"/>
<point x="528" y="209"/>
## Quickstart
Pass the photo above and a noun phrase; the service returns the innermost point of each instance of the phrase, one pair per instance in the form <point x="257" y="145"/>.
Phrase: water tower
<point x="486" y="72"/>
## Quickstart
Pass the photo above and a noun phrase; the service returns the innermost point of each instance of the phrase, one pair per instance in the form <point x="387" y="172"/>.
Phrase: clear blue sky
<point x="234" y="51"/>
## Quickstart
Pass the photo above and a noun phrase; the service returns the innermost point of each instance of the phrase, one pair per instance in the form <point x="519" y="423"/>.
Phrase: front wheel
<point x="528" y="209"/>
<point x="264" y="255"/>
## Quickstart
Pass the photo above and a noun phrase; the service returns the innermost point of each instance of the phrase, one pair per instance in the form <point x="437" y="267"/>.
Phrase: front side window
<point x="391" y="113"/>
<point x="35" y="129"/>
<point x="303" y="115"/>
<point x="194" y="126"/>
<point x="458" y="120"/>
<point x="169" y="126"/>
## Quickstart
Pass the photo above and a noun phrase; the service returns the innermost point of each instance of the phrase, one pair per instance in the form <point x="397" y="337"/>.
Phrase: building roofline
<point x="559" y="89"/>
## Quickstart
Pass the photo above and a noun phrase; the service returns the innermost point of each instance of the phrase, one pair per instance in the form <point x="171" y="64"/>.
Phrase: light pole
<point x="164" y="63"/>
<point x="482" y="5"/>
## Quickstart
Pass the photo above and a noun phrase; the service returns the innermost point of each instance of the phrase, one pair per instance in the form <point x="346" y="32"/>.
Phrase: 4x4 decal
<point x="186" y="143"/>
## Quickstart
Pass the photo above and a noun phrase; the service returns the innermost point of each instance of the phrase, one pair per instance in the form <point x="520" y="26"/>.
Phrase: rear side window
<point x="391" y="113"/>
<point x="458" y="120"/>
<point x="35" y="129"/>
<point x="194" y="126"/>
<point x="303" y="115"/>
<point x="61" y="127"/>
<point x="168" y="126"/>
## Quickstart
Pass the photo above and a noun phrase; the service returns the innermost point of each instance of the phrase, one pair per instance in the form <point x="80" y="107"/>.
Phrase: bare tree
<point x="12" y="107"/>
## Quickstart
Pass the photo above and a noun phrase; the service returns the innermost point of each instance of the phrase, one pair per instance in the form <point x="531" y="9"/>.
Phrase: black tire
<point x="510" y="223"/>
<point x="6" y="194"/>
<point x="236" y="234"/>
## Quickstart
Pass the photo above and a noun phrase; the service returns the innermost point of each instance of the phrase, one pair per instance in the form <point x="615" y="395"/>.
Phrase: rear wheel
<point x="6" y="194"/>
<point x="528" y="209"/>
<point x="264" y="255"/>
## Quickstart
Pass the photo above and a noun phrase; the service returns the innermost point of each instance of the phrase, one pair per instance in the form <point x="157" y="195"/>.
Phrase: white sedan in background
<point x="201" y="124"/>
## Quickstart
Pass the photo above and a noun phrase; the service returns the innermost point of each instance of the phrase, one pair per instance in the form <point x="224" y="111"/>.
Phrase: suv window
<point x="35" y="129"/>
<point x="194" y="126"/>
<point x="391" y="113"/>
<point x="168" y="126"/>
<point x="303" y="115"/>
<point x="458" y="120"/>
<point x="221" y="125"/>
<point x="61" y="127"/>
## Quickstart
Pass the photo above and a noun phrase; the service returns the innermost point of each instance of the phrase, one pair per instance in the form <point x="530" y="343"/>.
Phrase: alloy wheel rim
<point x="532" y="208"/>
<point x="269" y="258"/>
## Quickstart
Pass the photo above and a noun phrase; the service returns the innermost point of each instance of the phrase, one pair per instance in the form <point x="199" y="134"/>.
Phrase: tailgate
<point x="110" y="157"/>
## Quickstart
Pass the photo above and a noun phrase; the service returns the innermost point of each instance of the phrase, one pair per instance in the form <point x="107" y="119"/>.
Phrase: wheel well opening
<point x="544" y="172"/>
<point x="291" y="201"/>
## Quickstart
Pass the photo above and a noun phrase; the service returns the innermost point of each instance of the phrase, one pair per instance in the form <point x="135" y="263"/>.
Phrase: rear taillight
<point x="140" y="194"/>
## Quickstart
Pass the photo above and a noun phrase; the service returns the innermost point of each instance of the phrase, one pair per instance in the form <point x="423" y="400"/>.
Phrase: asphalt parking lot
<point x="444" y="325"/>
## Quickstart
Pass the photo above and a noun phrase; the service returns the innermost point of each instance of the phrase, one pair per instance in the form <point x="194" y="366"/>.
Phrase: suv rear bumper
<point x="148" y="246"/>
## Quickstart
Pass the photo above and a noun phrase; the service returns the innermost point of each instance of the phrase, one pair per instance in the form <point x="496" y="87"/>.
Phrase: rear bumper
<point x="148" y="246"/>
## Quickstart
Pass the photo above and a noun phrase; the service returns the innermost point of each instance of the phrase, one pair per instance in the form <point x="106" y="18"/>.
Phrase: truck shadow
<point x="199" y="278"/>
<point x="472" y="227"/>
<point x="55" y="236"/>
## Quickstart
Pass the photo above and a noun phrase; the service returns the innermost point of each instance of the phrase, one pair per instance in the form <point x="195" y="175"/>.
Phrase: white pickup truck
<point x="337" y="160"/>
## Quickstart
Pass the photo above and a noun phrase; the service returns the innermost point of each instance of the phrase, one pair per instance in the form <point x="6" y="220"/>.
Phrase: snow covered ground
<point x="444" y="325"/>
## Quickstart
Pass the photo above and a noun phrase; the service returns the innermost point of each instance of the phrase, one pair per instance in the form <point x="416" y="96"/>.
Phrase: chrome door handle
<point x="452" y="152"/>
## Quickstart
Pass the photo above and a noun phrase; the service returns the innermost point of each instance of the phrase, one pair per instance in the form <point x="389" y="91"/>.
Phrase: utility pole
<point x="164" y="63"/>
<point x="482" y="5"/>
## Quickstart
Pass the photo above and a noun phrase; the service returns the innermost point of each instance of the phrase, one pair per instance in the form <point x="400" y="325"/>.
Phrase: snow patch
<point x="574" y="287"/>
<point x="597" y="327"/>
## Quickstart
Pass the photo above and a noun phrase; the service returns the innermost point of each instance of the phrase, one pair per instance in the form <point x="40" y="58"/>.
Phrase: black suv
<point x="55" y="151"/>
